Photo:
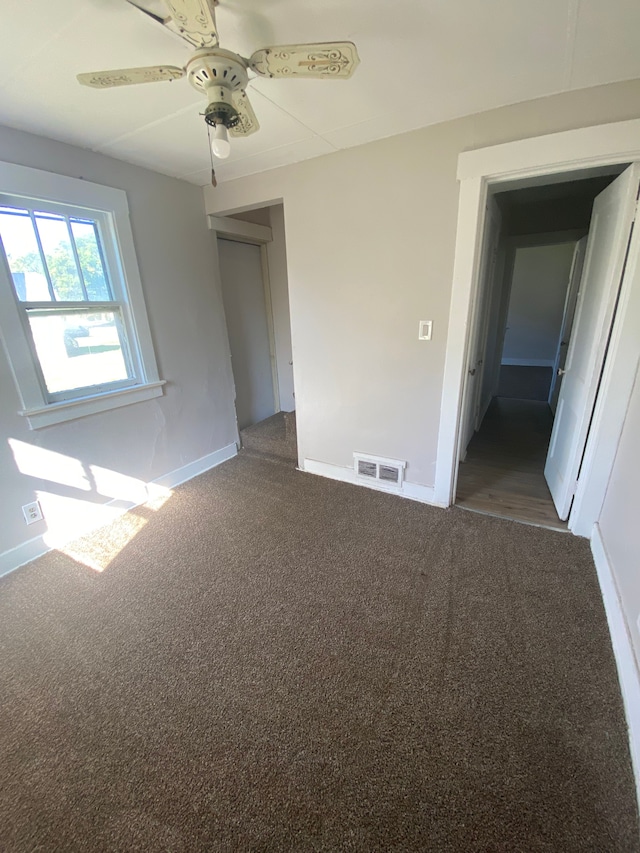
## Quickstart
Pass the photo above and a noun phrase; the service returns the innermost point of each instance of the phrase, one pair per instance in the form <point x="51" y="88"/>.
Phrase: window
<point x="71" y="306"/>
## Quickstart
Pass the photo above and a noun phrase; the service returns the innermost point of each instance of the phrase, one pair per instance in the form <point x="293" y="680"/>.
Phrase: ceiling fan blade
<point x="149" y="13"/>
<point x="248" y="123"/>
<point x="327" y="60"/>
<point x="129" y="76"/>
<point x="195" y="21"/>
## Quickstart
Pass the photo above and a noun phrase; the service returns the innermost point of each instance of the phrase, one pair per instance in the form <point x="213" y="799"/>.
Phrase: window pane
<point x="85" y="235"/>
<point x="21" y="248"/>
<point x="79" y="349"/>
<point x="58" y="254"/>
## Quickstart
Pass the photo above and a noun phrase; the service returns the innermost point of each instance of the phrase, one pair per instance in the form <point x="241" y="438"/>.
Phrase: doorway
<point x="521" y="435"/>
<point x="254" y="284"/>
<point x="245" y="307"/>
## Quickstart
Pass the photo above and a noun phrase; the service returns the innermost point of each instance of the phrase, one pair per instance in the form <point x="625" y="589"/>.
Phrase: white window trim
<point x="28" y="183"/>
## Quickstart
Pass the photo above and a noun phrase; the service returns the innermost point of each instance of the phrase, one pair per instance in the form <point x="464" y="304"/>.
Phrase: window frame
<point x="34" y="188"/>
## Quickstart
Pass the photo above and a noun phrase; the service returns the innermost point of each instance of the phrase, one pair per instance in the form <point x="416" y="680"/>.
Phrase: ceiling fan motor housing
<point x="218" y="74"/>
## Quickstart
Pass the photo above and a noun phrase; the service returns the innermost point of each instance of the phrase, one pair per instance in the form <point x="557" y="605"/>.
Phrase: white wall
<point x="370" y="246"/>
<point x="74" y="467"/>
<point x="246" y="312"/>
<point x="273" y="217"/>
<point x="536" y="304"/>
<point x="619" y="520"/>
<point x="498" y="306"/>
<point x="279" y="284"/>
<point x="619" y="515"/>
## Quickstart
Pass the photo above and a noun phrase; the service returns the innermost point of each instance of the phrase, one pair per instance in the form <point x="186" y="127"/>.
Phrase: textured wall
<point x="536" y="303"/>
<point x="77" y="464"/>
<point x="370" y="245"/>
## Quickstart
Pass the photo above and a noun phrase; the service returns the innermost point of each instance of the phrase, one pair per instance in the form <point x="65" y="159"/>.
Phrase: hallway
<point x="503" y="473"/>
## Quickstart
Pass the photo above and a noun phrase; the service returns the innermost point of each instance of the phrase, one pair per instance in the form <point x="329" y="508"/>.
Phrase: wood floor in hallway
<point x="503" y="473"/>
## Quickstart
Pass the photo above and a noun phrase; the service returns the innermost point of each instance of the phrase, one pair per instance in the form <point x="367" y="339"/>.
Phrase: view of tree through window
<point x="60" y="260"/>
<point x="58" y="269"/>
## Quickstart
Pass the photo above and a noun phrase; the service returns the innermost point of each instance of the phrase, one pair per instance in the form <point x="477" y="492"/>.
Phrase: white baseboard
<point x="25" y="553"/>
<point x="622" y="648"/>
<point x="413" y="491"/>
<point x="192" y="469"/>
<point x="528" y="362"/>
<point x="33" y="548"/>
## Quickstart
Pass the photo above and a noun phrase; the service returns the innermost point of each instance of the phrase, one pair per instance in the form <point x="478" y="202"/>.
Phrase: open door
<point x="478" y="347"/>
<point x="575" y="276"/>
<point x="611" y="223"/>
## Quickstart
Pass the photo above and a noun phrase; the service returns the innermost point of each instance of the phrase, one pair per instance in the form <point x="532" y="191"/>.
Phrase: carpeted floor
<point x="279" y="662"/>
<point x="275" y="438"/>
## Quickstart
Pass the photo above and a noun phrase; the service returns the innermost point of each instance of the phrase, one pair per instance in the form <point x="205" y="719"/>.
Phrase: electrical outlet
<point x="32" y="512"/>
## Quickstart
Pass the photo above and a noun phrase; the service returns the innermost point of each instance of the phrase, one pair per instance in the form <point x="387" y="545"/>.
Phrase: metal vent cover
<point x="387" y="473"/>
<point x="367" y="469"/>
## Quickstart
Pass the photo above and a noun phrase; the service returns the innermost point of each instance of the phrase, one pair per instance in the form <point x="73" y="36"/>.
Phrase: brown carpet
<point x="275" y="438"/>
<point x="278" y="662"/>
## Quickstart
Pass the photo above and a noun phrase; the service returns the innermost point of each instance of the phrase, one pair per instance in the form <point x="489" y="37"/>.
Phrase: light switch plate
<point x="424" y="330"/>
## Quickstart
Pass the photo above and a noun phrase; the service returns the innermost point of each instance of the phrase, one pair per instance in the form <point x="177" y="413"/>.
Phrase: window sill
<point x="69" y="410"/>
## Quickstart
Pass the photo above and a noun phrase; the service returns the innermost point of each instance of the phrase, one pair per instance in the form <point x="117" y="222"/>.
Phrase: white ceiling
<point x="422" y="62"/>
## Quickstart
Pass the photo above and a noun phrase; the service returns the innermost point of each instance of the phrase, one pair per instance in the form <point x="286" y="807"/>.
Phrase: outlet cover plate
<point x="32" y="512"/>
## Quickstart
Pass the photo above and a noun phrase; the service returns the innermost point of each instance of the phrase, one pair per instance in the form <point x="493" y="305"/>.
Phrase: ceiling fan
<point x="222" y="76"/>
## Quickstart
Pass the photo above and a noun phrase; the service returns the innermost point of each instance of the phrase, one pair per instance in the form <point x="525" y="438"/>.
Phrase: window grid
<point x="76" y="258"/>
<point x="43" y="260"/>
<point x="105" y="261"/>
<point x="31" y="213"/>
<point x="57" y="306"/>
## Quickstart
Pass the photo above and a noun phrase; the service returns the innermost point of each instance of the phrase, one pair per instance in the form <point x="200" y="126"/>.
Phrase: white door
<point x="478" y="346"/>
<point x="613" y="214"/>
<point x="577" y="265"/>
<point x="245" y="310"/>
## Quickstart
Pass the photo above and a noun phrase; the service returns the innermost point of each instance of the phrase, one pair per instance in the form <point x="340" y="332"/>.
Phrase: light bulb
<point x="220" y="144"/>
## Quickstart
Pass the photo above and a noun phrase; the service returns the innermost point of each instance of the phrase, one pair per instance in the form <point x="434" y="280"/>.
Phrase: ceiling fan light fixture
<point x="220" y="145"/>
<point x="222" y="75"/>
<point x="221" y="112"/>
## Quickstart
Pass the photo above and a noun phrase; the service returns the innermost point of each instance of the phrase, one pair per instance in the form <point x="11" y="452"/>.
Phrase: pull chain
<point x="214" y="183"/>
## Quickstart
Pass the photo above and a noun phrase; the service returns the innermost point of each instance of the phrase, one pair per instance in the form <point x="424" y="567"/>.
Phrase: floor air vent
<point x="386" y="473"/>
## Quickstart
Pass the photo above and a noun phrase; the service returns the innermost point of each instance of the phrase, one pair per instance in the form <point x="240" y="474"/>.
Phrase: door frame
<point x="568" y="315"/>
<point x="239" y="231"/>
<point x="510" y="166"/>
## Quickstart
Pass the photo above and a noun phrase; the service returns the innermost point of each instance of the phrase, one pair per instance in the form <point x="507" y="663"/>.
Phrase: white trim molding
<point x="628" y="674"/>
<point x="108" y="208"/>
<point x="554" y="153"/>
<point x="34" y="548"/>
<point x="527" y="362"/>
<point x="554" y="157"/>
<point x="413" y="491"/>
<point x="239" y="230"/>
<point x="56" y="413"/>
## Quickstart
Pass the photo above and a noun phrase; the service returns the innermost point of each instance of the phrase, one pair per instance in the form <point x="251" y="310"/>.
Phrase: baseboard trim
<point x="628" y="674"/>
<point x="528" y="362"/>
<point x="22" y="554"/>
<point x="34" y="548"/>
<point x="192" y="469"/>
<point x="413" y="491"/>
